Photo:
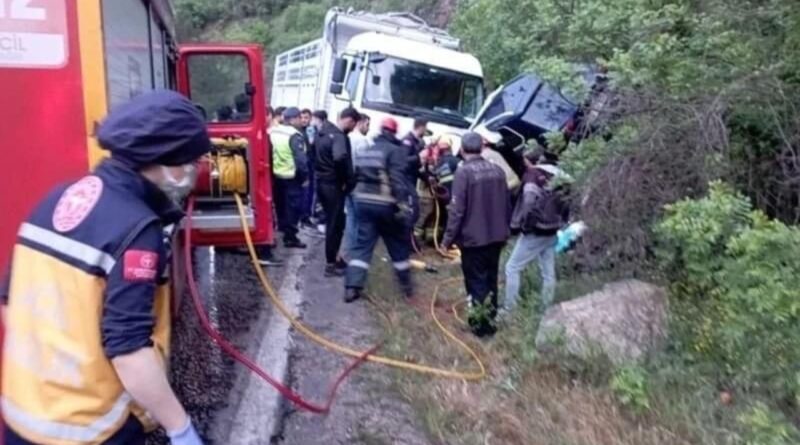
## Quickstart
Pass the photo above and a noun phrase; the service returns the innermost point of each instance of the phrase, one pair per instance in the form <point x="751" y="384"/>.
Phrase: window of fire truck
<point x="220" y="84"/>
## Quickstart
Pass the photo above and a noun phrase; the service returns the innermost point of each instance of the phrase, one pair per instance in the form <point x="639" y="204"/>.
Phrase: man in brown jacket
<point x="478" y="223"/>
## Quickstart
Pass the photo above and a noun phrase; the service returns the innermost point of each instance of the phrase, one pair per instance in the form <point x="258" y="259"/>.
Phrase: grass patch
<point x="527" y="400"/>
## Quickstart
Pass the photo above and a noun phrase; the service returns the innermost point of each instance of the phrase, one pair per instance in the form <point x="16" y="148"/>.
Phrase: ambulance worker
<point x="86" y="301"/>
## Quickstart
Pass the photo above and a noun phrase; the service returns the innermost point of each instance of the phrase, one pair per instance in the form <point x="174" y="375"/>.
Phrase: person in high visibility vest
<point x="290" y="171"/>
<point x="86" y="303"/>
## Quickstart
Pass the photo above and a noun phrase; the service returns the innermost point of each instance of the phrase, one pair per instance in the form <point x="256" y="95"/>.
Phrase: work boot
<point x="334" y="270"/>
<point x="351" y="294"/>
<point x="408" y="292"/>
<point x="294" y="244"/>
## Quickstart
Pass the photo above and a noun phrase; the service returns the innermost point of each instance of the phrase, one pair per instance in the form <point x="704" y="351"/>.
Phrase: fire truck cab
<point x="64" y="64"/>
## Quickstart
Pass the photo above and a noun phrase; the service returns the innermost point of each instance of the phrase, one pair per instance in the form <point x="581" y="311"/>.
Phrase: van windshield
<point x="406" y="87"/>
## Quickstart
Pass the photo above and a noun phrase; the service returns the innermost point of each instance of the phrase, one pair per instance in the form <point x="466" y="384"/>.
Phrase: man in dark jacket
<point x="414" y="144"/>
<point x="380" y="197"/>
<point x="334" y="169"/>
<point x="478" y="218"/>
<point x="541" y="211"/>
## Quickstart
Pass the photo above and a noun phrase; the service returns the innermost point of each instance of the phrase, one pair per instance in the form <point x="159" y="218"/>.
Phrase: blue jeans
<point x="350" y="225"/>
<point x="531" y="248"/>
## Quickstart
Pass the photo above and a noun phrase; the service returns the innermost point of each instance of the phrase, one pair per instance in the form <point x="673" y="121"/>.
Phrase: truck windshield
<point x="408" y="87"/>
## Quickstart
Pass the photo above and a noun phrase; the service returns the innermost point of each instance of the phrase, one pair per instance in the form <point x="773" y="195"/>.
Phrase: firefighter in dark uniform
<point x="86" y="299"/>
<point x="381" y="200"/>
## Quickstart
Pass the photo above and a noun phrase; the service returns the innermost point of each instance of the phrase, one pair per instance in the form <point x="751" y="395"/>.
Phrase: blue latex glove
<point x="185" y="436"/>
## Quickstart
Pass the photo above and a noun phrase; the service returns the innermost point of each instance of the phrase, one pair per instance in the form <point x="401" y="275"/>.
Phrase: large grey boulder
<point x="624" y="320"/>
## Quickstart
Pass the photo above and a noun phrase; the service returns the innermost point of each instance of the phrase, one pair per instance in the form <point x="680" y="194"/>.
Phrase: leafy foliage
<point x="734" y="287"/>
<point x="630" y="386"/>
<point x="701" y="92"/>
<point x="765" y="427"/>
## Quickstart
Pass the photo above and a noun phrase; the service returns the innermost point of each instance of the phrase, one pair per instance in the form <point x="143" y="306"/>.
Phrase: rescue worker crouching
<point x="88" y="303"/>
<point x="381" y="198"/>
<point x="290" y="169"/>
<point x="436" y="179"/>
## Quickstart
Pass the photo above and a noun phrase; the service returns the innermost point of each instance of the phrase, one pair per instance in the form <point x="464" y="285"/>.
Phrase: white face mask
<point x="179" y="189"/>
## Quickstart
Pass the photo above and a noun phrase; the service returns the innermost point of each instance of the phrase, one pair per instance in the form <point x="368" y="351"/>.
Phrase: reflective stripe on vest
<point x="65" y="431"/>
<point x="58" y="384"/>
<point x="282" y="156"/>
<point x="68" y="247"/>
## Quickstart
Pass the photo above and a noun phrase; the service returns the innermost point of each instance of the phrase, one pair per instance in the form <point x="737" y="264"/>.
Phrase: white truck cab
<point x="383" y="65"/>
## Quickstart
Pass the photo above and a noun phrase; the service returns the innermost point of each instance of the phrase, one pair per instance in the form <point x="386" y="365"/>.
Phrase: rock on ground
<point x="624" y="320"/>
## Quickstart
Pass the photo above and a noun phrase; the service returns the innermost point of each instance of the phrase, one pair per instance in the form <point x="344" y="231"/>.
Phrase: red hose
<point x="234" y="353"/>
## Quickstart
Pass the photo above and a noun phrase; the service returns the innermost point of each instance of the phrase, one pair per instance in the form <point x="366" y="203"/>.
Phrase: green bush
<point x="764" y="427"/>
<point x="734" y="289"/>
<point x="630" y="387"/>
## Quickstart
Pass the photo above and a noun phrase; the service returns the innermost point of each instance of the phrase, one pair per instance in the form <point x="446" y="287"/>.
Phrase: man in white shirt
<point x="359" y="141"/>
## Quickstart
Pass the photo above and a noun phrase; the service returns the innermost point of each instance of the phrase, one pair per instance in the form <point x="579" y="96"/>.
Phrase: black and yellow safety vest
<point x="91" y="251"/>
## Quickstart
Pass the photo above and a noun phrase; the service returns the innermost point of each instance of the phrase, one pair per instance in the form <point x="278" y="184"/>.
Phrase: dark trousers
<point x="289" y="206"/>
<point x="332" y="197"/>
<point x="131" y="433"/>
<point x="480" y="266"/>
<point x="378" y="221"/>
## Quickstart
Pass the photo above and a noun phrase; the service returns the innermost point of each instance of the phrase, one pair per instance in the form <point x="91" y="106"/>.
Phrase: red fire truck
<point x="65" y="63"/>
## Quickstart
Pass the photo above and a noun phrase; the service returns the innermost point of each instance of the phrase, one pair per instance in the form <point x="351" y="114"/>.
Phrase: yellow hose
<point x="233" y="174"/>
<point x="313" y="336"/>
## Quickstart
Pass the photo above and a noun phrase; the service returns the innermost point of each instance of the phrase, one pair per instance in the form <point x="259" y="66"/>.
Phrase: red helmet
<point x="389" y="124"/>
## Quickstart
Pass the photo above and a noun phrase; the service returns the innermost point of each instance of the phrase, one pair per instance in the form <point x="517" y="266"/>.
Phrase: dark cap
<point x="351" y="113"/>
<point x="291" y="113"/>
<point x="160" y="127"/>
<point x="471" y="142"/>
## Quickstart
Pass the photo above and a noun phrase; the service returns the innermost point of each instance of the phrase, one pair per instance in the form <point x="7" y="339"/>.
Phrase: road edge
<point x="259" y="413"/>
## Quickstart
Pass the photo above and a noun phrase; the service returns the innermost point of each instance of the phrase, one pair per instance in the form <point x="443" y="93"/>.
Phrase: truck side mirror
<point x="336" y="89"/>
<point x="339" y="70"/>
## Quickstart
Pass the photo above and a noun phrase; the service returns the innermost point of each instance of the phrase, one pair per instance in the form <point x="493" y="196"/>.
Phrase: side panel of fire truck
<point x="65" y="63"/>
<point x="42" y="124"/>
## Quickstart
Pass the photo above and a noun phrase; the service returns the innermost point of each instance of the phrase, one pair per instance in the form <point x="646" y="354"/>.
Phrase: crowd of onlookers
<point x="352" y="187"/>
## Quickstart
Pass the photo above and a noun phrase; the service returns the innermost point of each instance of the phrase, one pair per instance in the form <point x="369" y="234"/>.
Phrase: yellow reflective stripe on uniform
<point x="65" y="431"/>
<point x="68" y="247"/>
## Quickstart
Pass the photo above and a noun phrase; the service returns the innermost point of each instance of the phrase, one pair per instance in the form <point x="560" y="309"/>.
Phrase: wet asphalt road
<point x="230" y="406"/>
<point x="204" y="378"/>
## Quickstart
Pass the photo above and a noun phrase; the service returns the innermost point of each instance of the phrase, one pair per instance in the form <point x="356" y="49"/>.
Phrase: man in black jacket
<point x="414" y="143"/>
<point x="478" y="217"/>
<point x="334" y="171"/>
<point x="381" y="197"/>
